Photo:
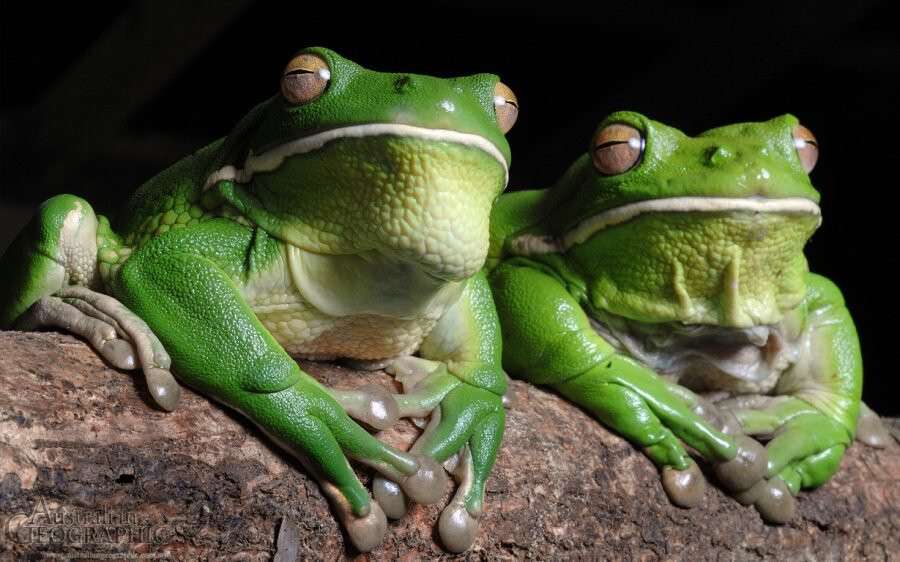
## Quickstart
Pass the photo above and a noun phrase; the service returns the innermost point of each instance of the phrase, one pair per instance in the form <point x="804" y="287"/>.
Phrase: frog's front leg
<point x="183" y="285"/>
<point x="459" y="382"/>
<point x="813" y="419"/>
<point x="548" y="340"/>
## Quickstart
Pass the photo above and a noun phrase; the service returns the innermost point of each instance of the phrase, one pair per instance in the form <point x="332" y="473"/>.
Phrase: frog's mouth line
<point x="273" y="158"/>
<point x="530" y="244"/>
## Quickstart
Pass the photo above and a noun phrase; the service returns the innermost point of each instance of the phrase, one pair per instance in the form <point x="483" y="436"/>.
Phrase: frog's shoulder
<point x="171" y="199"/>
<point x="515" y="213"/>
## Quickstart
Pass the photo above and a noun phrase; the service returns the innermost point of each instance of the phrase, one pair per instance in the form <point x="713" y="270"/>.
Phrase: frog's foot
<point x="366" y="531"/>
<point x="365" y="526"/>
<point x="748" y="466"/>
<point x="464" y="431"/>
<point x="665" y="419"/>
<point x="805" y="449"/>
<point x="869" y="428"/>
<point x="307" y="422"/>
<point x="116" y="333"/>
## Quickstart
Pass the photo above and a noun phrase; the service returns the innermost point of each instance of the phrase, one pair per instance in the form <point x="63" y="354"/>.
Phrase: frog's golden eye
<point x="617" y="148"/>
<point x="807" y="147"/>
<point x="506" y="106"/>
<point x="304" y="78"/>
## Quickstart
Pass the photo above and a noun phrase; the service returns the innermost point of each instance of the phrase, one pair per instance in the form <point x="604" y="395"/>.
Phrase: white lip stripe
<point x="586" y="228"/>
<point x="273" y="158"/>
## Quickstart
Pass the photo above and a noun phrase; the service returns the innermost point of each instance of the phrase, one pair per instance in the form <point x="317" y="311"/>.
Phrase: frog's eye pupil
<point x="807" y="147"/>
<point x="304" y="79"/>
<point x="617" y="148"/>
<point x="506" y="107"/>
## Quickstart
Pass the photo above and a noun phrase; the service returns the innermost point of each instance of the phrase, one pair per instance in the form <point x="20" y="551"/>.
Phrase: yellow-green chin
<point x="728" y="268"/>
<point x="418" y="200"/>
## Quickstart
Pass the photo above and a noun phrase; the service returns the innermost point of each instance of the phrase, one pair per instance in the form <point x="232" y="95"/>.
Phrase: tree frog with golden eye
<point x="345" y="217"/>
<point x="661" y="285"/>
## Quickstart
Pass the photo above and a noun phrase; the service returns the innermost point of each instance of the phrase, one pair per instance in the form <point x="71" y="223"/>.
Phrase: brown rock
<point x="88" y="466"/>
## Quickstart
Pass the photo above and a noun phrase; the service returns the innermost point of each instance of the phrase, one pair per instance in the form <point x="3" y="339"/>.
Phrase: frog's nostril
<point x="404" y="84"/>
<point x="718" y="155"/>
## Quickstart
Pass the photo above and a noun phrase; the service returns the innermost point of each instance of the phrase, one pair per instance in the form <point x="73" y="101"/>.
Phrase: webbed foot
<point x="116" y="333"/>
<point x="464" y="430"/>
<point x="804" y="450"/>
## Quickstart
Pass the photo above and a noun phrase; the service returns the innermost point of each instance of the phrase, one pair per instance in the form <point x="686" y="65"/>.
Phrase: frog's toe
<point x="371" y="404"/>
<point x="870" y="429"/>
<point x="389" y="496"/>
<point x="684" y="487"/>
<point x="119" y="353"/>
<point x="775" y="504"/>
<point x="429" y="482"/>
<point x="510" y="399"/>
<point x="457" y="528"/>
<point x="747" y="467"/>
<point x="367" y="532"/>
<point x="163" y="387"/>
<point x="772" y="499"/>
<point x="729" y="424"/>
<point x="380" y="409"/>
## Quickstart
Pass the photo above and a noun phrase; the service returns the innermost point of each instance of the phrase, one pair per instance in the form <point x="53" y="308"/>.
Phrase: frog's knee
<point x="67" y="233"/>
<point x="57" y="248"/>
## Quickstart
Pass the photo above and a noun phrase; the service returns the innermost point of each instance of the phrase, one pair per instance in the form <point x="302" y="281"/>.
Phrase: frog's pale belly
<point x="372" y="310"/>
<point x="707" y="358"/>
<point x="305" y="332"/>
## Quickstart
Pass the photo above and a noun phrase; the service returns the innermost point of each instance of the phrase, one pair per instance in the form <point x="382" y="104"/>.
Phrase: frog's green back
<point x="171" y="199"/>
<point x="512" y="213"/>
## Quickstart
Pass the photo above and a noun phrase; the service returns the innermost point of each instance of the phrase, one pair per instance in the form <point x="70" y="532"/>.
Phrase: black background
<point x="691" y="66"/>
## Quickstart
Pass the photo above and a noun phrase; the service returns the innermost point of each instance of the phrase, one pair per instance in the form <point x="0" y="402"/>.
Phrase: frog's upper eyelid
<point x="607" y="144"/>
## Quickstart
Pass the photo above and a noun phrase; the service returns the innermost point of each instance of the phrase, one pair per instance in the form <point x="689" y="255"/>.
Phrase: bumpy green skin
<point x="728" y="269"/>
<point x="229" y="275"/>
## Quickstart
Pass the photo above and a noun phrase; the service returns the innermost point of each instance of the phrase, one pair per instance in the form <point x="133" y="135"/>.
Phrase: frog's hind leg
<point x="56" y="249"/>
<point x="47" y="271"/>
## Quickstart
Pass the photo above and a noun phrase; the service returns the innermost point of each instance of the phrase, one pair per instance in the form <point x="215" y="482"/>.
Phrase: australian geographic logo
<point x="67" y="526"/>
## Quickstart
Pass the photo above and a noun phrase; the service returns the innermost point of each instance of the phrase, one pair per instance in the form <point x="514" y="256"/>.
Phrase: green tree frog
<point x="661" y="265"/>
<point x="345" y="217"/>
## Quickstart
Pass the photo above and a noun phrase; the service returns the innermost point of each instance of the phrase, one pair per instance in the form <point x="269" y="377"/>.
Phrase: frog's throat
<point x="273" y="158"/>
<point x="529" y="244"/>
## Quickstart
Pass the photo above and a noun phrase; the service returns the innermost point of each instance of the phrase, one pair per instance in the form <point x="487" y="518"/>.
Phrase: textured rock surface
<point x="85" y="460"/>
